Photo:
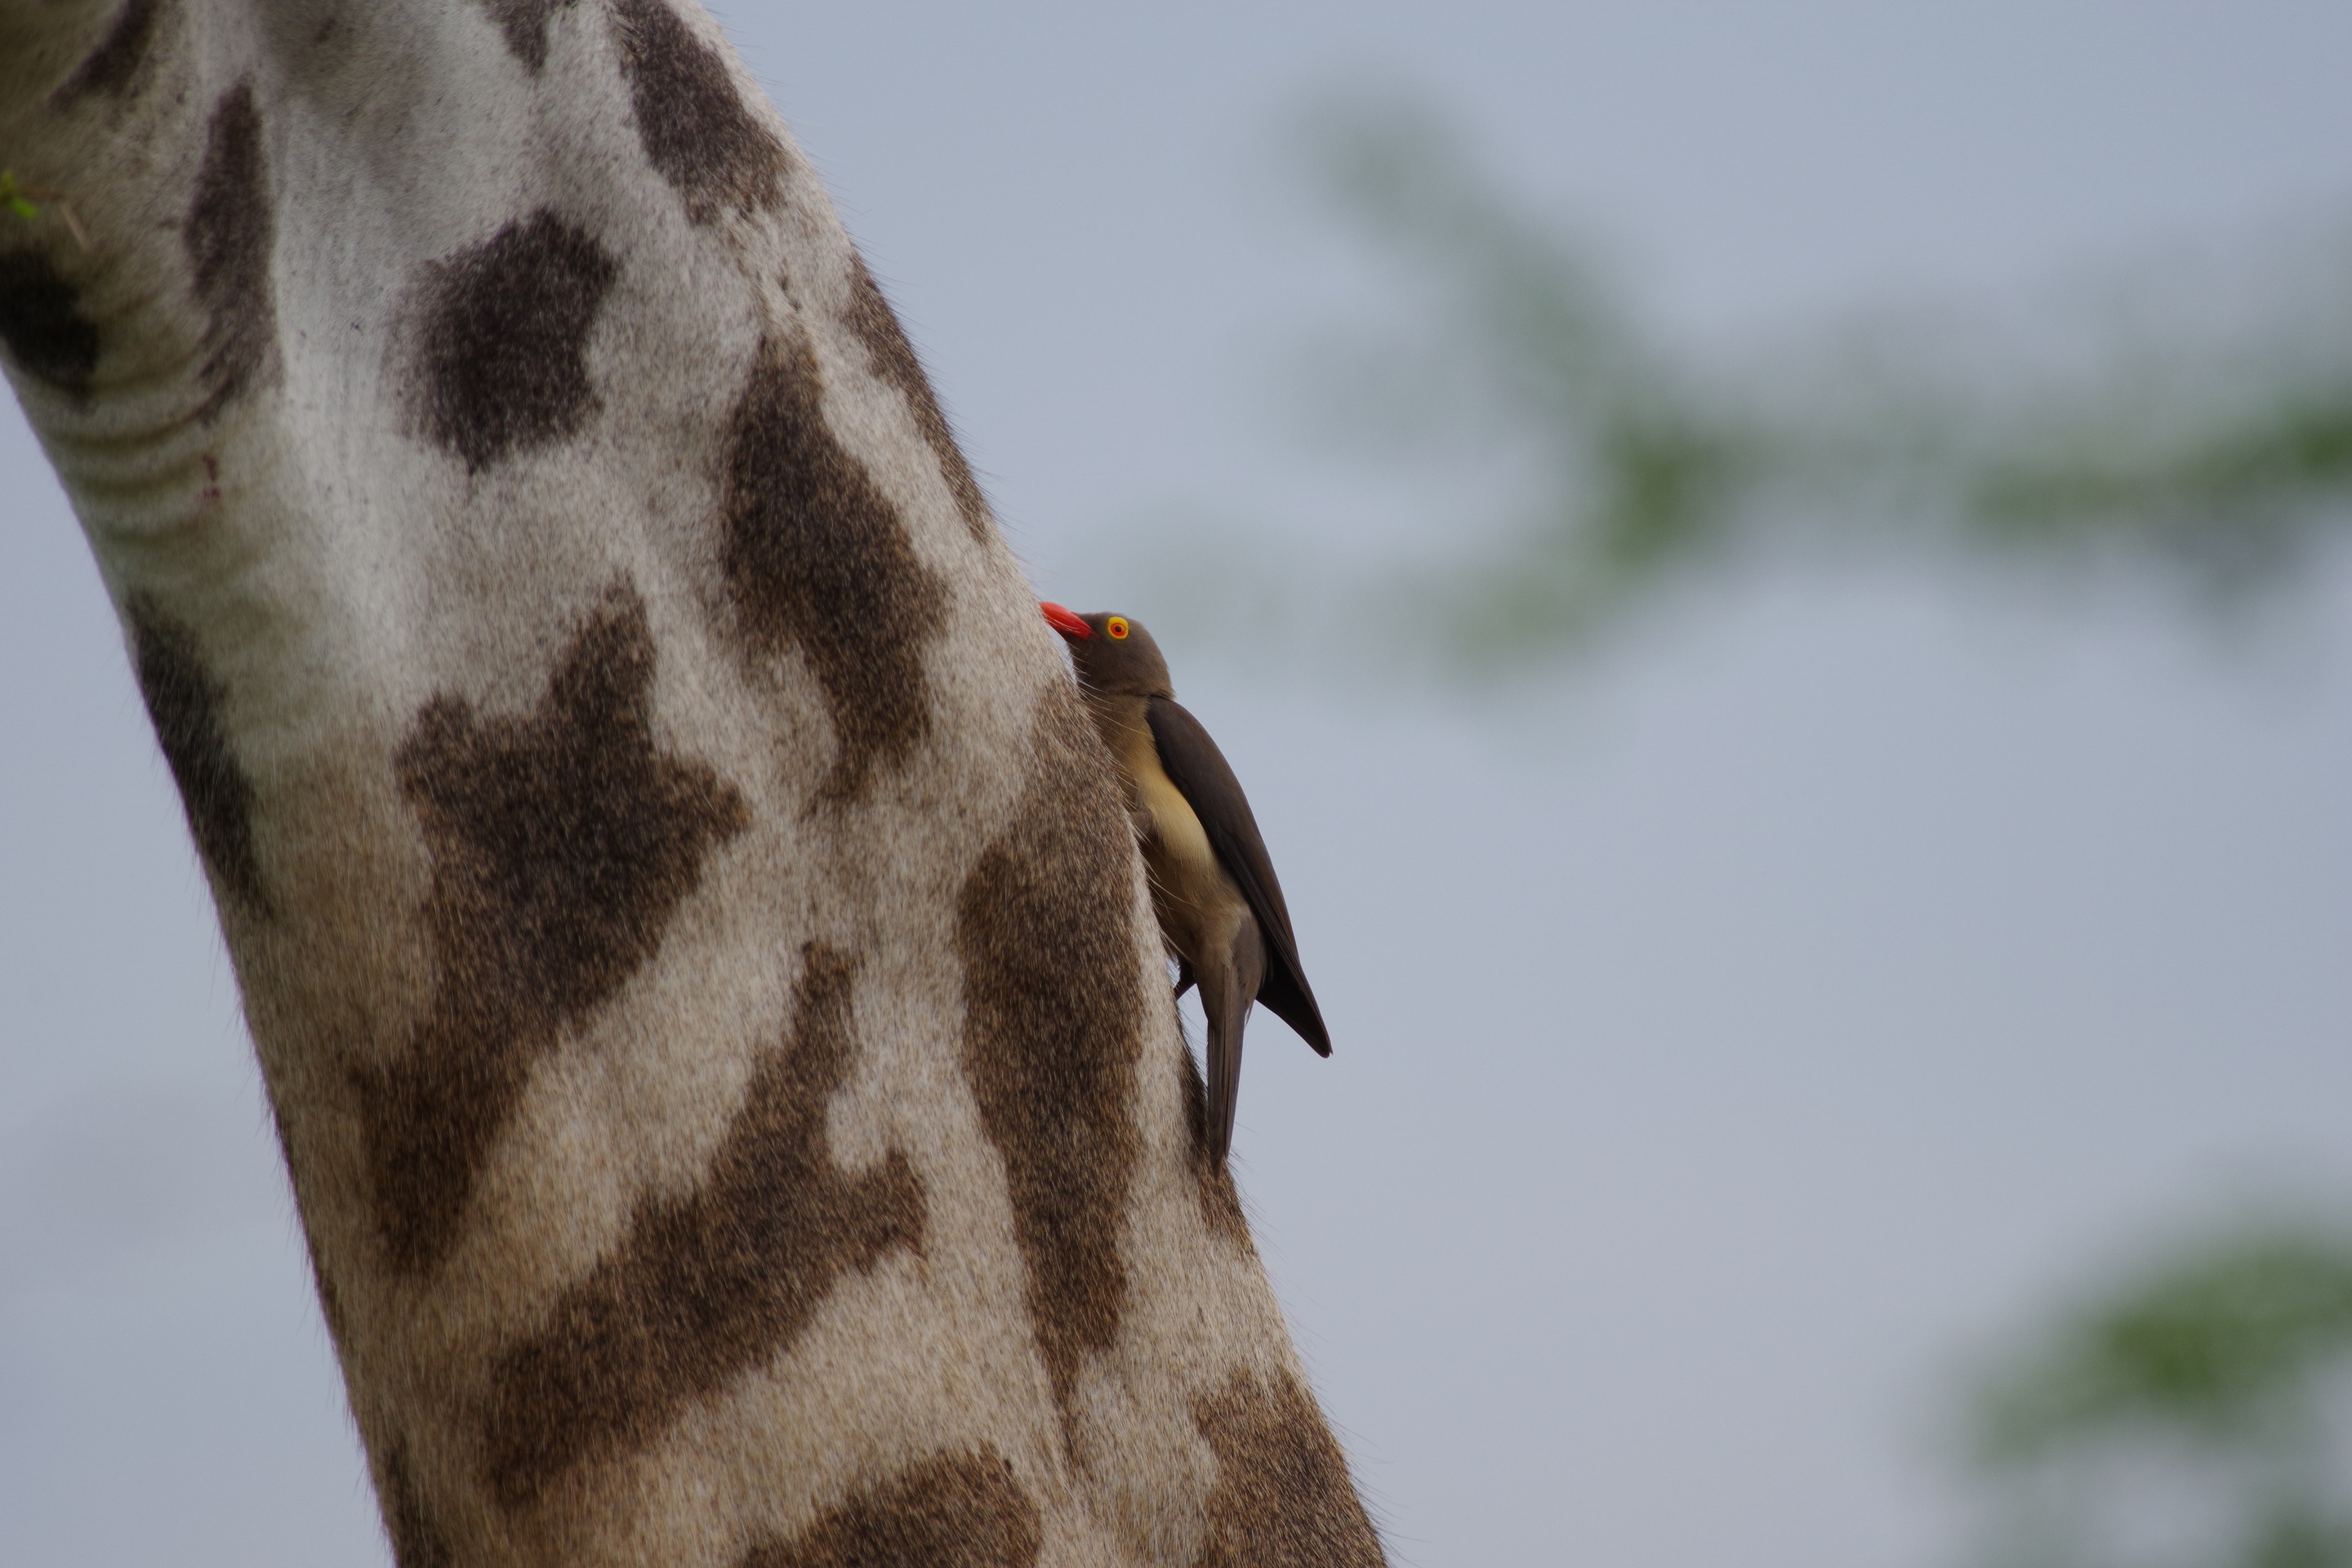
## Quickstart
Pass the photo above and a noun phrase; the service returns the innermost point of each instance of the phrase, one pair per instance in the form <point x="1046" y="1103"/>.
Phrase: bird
<point x="1212" y="884"/>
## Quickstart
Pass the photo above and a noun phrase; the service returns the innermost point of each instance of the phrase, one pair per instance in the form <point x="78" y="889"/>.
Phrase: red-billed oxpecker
<point x="1212" y="884"/>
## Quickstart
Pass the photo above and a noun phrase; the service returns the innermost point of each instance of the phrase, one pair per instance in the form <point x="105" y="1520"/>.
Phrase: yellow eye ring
<point x="1115" y="628"/>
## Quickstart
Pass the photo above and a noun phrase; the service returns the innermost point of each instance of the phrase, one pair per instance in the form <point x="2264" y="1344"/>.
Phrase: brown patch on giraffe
<point x="708" y="1285"/>
<point x="183" y="700"/>
<point x="818" y="560"/>
<point x="958" y="1510"/>
<point x="417" y="1541"/>
<point x="562" y="842"/>
<point x="331" y="1300"/>
<point x="1282" y="1499"/>
<point x="1220" y="1201"/>
<point x="42" y="324"/>
<point x="893" y="359"/>
<point x="229" y="233"/>
<point x="501" y="361"/>
<point x="691" y="122"/>
<point x="110" y="68"/>
<point x="1053" y="1013"/>
<point x="524" y="23"/>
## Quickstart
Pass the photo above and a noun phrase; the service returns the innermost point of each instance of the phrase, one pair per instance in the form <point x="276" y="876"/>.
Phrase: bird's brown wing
<point x="1200" y="773"/>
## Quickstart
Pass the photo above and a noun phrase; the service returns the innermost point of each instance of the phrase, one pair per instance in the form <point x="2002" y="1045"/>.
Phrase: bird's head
<point x="1115" y="655"/>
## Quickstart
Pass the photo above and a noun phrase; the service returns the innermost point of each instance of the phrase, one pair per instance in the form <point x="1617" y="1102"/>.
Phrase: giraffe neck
<point x="695" y="947"/>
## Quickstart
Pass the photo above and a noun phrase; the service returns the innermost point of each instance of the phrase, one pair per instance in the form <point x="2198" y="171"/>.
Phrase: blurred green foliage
<point x="2192" y="1416"/>
<point x="1580" y="460"/>
<point x="1626" y="461"/>
<point x="2211" y="1344"/>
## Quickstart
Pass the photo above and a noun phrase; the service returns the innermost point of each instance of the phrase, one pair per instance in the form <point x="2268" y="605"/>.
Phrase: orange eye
<point x="1115" y="628"/>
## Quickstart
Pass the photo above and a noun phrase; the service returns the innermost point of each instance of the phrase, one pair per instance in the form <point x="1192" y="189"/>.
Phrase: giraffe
<point x="703" y="977"/>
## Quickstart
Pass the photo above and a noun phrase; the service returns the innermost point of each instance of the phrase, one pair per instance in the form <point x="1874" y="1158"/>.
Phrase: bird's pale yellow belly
<point x="1197" y="902"/>
<point x="1183" y="841"/>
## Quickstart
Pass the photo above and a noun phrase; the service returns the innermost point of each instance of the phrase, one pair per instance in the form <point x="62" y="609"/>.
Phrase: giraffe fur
<point x="703" y="977"/>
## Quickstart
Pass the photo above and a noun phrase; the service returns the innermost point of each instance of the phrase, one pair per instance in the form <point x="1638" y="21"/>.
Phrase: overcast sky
<point x="1733" y="1041"/>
